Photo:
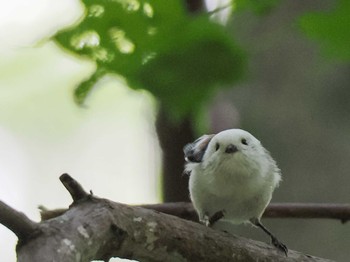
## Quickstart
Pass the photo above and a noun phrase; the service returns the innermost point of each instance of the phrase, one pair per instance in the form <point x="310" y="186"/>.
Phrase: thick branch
<point x="98" y="229"/>
<point x="16" y="221"/>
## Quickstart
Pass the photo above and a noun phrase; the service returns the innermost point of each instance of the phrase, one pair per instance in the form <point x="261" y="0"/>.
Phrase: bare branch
<point x="98" y="229"/>
<point x="183" y="210"/>
<point x="16" y="221"/>
<point x="308" y="210"/>
<point x="74" y="188"/>
<point x="274" y="210"/>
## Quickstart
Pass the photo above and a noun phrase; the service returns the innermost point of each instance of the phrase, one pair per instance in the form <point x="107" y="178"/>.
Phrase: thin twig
<point x="185" y="210"/>
<point x="16" y="221"/>
<point x="309" y="210"/>
<point x="274" y="210"/>
<point x="219" y="9"/>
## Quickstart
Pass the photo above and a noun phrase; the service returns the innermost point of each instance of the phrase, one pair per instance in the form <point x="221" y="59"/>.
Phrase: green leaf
<point x="157" y="46"/>
<point x="330" y="30"/>
<point x="201" y="60"/>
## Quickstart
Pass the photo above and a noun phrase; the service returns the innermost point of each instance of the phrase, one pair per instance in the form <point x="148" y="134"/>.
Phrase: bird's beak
<point x="230" y="149"/>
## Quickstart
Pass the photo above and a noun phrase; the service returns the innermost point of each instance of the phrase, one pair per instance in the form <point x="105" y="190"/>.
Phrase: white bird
<point x="232" y="178"/>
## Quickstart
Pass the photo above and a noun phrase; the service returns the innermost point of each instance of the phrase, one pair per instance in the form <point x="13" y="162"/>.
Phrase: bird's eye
<point x="244" y="141"/>
<point x="217" y="146"/>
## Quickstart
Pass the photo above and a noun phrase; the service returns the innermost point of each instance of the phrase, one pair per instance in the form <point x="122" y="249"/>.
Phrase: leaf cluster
<point x="155" y="45"/>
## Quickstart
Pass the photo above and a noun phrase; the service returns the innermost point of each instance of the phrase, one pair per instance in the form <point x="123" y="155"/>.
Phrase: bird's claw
<point x="280" y="245"/>
<point x="206" y="220"/>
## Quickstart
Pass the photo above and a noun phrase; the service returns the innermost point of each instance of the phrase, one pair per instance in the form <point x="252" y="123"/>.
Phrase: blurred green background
<point x="279" y="69"/>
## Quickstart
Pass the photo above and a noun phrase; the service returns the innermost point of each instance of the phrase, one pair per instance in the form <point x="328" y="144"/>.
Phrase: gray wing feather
<point x="195" y="151"/>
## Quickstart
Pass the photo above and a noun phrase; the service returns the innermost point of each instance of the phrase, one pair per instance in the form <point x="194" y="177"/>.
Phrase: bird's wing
<point x="194" y="152"/>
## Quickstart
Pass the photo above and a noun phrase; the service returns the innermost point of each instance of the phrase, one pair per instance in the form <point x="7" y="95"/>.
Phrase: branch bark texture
<point x="98" y="229"/>
<point x="17" y="222"/>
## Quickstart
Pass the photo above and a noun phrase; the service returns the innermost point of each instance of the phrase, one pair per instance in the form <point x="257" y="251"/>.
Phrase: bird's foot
<point x="282" y="247"/>
<point x="205" y="220"/>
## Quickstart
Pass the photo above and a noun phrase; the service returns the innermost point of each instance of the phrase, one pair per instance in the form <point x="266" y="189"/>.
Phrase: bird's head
<point x="233" y="143"/>
<point x="233" y="148"/>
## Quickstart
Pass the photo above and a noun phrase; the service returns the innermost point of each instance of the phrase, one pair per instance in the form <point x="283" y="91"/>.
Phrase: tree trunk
<point x="172" y="137"/>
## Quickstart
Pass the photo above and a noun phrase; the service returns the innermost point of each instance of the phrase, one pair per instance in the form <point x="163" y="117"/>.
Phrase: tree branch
<point x="17" y="222"/>
<point x="74" y="188"/>
<point x="309" y="210"/>
<point x="98" y="229"/>
<point x="274" y="210"/>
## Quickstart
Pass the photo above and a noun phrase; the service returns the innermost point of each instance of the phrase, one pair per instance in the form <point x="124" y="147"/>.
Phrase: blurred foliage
<point x="155" y="45"/>
<point x="331" y="29"/>
<point x="258" y="7"/>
